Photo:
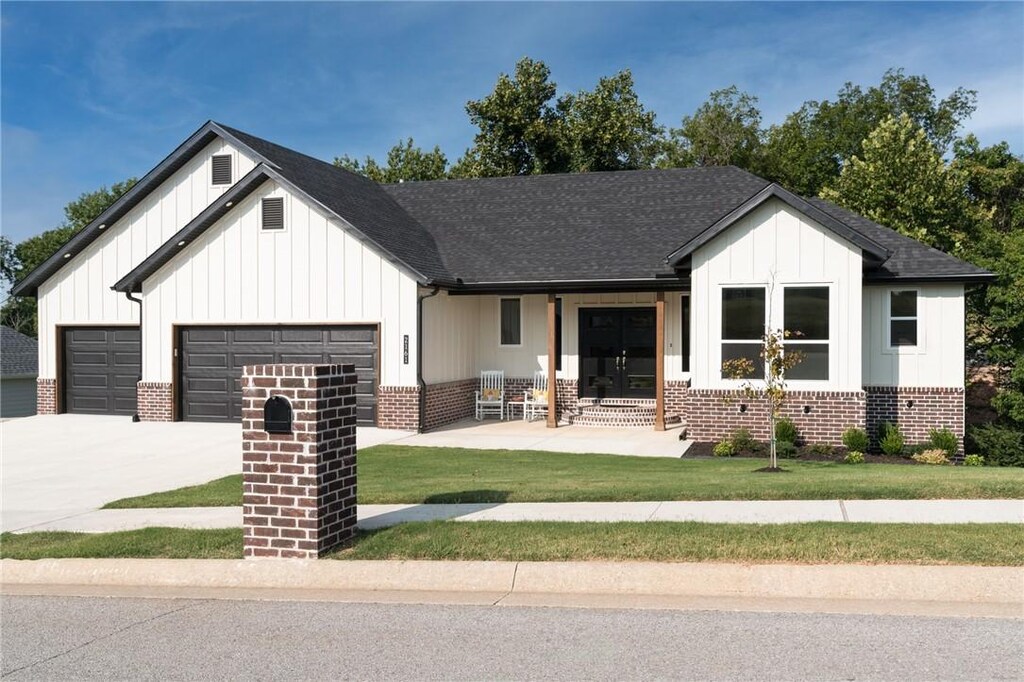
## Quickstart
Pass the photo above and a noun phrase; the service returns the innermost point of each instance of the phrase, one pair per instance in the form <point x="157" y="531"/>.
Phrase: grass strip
<point x="394" y="474"/>
<point x="805" y="543"/>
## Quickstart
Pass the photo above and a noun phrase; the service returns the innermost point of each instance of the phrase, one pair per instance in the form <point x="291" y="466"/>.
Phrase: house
<point x="18" y="371"/>
<point x="631" y="288"/>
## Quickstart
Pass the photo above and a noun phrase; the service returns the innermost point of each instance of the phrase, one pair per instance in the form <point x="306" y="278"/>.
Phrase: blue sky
<point x="93" y="93"/>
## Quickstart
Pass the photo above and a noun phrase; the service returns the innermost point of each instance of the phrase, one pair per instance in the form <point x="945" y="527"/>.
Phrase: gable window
<point x="511" y="322"/>
<point x="902" y="318"/>
<point x="220" y="169"/>
<point x="805" y="312"/>
<point x="272" y="212"/>
<point x="743" y="319"/>
<point x="684" y="339"/>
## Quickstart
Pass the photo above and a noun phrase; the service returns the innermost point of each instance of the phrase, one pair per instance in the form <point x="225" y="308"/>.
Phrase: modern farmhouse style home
<point x="629" y="288"/>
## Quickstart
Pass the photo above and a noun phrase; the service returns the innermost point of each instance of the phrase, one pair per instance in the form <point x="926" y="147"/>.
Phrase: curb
<point x="947" y="584"/>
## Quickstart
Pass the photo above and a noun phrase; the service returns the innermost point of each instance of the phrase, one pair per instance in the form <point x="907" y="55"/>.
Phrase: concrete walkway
<point x="383" y="515"/>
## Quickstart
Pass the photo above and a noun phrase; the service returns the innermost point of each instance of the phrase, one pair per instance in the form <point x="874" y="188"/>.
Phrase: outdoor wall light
<point x="910" y="403"/>
<point x="807" y="409"/>
<point x="743" y="408"/>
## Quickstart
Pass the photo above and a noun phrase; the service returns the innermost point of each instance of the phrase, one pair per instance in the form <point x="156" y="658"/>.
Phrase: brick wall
<point x="46" y="396"/>
<point x="712" y="414"/>
<point x="155" y="401"/>
<point x="398" y="407"/>
<point x="299" y="498"/>
<point x="449" y="402"/>
<point x="675" y="398"/>
<point x="916" y="410"/>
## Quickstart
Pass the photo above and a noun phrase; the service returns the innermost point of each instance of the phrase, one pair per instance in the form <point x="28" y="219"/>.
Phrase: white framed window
<point x="510" y="321"/>
<point x="743" y="322"/>
<point x="272" y="214"/>
<point x="903" y="319"/>
<point x="684" y="331"/>
<point x="805" y="312"/>
<point x="221" y="169"/>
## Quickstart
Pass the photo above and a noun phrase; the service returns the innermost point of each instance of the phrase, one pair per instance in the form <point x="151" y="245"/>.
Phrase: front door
<point x="617" y="352"/>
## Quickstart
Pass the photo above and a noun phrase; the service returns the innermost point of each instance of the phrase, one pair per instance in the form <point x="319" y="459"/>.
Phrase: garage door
<point x="101" y="367"/>
<point x="211" y="361"/>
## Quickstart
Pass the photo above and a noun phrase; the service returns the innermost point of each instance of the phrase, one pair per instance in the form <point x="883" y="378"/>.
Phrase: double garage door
<point x="211" y="361"/>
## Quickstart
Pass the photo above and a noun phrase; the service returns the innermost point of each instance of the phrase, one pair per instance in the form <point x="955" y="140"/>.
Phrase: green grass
<point x="391" y="474"/>
<point x="147" y="543"/>
<point x="828" y="543"/>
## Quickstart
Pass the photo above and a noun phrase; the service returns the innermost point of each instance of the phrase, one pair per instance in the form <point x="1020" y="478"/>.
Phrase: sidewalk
<point x="383" y="515"/>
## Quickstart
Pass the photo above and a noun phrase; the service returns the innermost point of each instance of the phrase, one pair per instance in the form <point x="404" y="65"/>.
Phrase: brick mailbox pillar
<point x="299" y="474"/>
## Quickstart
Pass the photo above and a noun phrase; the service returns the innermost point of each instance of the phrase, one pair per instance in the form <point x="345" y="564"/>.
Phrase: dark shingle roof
<point x="587" y="226"/>
<point x="19" y="354"/>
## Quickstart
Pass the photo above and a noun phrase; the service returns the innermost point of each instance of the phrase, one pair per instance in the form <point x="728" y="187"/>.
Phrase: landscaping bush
<point x="854" y="457"/>
<point x="856" y="439"/>
<point x="945" y="440"/>
<point x="974" y="461"/>
<point x="1002" y="446"/>
<point x="785" y="432"/>
<point x="934" y="456"/>
<point x="891" y="439"/>
<point x="821" y="449"/>
<point x="724" y="449"/>
<point x="742" y="441"/>
<point x="785" y="449"/>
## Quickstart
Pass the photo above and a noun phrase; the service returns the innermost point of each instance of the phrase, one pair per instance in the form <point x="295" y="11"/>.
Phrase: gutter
<point x="128" y="295"/>
<point x="419" y="355"/>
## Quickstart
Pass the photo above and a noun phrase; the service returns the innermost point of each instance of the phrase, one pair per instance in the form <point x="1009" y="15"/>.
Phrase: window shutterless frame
<point x="902" y="323"/>
<point x="510" y="322"/>
<point x="810" y="329"/>
<point x="744" y="318"/>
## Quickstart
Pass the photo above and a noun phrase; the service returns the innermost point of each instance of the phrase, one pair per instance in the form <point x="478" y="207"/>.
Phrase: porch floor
<point x="492" y="434"/>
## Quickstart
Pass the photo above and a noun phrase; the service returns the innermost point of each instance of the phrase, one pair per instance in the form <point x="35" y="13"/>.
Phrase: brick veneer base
<point x="676" y="393"/>
<point x="299" y="488"/>
<point x="155" y="401"/>
<point x="916" y="410"/>
<point x="449" y="402"/>
<point x="398" y="407"/>
<point x="46" y="396"/>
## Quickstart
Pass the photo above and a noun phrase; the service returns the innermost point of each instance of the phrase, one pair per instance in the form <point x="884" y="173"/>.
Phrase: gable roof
<point x="19" y="354"/>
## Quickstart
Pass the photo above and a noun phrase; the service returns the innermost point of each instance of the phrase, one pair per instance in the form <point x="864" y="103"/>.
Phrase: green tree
<point x="405" y="161"/>
<point x="27" y="255"/>
<point x="806" y="151"/>
<point x="901" y="181"/>
<point x="725" y="130"/>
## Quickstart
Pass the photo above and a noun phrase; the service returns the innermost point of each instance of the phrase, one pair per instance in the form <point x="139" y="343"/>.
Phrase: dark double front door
<point x="617" y="352"/>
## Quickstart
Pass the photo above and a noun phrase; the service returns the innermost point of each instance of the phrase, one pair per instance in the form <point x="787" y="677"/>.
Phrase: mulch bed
<point x="701" y="450"/>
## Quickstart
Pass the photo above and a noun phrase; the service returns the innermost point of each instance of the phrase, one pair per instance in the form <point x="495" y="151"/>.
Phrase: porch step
<point x="617" y="412"/>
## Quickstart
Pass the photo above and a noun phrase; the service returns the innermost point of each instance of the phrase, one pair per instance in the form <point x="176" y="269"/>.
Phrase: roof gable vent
<point x="220" y="173"/>
<point x="273" y="213"/>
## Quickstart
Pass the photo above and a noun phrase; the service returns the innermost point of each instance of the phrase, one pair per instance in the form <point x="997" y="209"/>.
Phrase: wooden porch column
<point x="552" y="381"/>
<point x="659" y="362"/>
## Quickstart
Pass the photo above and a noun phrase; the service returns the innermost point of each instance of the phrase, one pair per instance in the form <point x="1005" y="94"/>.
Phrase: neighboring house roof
<point x="19" y="354"/>
<point x="634" y="226"/>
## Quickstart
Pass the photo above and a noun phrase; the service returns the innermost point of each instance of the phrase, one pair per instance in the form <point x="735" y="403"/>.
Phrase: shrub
<point x="785" y="432"/>
<point x="785" y="449"/>
<point x="883" y="429"/>
<point x="742" y="441"/>
<point x="723" y="449"/>
<point x="934" y="456"/>
<point x="945" y="440"/>
<point x="820" y="449"/>
<point x="974" y="461"/>
<point x="1002" y="446"/>
<point x="855" y="439"/>
<point x="854" y="457"/>
<point x="891" y="441"/>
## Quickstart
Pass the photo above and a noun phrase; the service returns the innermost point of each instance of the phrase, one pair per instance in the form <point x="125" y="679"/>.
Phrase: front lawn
<point x="808" y="543"/>
<point x="392" y="474"/>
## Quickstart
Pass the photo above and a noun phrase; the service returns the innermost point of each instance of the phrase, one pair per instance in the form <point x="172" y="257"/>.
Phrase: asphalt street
<point x="121" y="638"/>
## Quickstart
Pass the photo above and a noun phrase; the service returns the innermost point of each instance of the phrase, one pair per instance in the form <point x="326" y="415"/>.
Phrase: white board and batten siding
<point x="776" y="243"/>
<point x="79" y="293"/>
<point x="314" y="271"/>
<point x="938" y="358"/>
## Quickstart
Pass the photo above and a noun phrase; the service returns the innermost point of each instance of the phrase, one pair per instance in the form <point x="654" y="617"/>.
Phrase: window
<point x="273" y="213"/>
<point x="558" y="334"/>
<point x="902" y="318"/>
<point x="684" y="340"/>
<point x="511" y="322"/>
<point x="805" y="312"/>
<point x="220" y="169"/>
<point x="742" y="327"/>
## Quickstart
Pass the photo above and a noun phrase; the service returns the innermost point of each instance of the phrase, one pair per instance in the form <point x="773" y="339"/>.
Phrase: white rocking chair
<point x="535" y="400"/>
<point x="490" y="399"/>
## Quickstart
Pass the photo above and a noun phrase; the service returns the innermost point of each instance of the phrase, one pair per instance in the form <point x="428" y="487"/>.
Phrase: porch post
<point x="659" y="362"/>
<point x="552" y="381"/>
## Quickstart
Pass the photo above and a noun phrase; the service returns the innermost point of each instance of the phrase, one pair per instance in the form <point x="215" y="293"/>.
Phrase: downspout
<point x="128" y="295"/>
<point x="419" y="355"/>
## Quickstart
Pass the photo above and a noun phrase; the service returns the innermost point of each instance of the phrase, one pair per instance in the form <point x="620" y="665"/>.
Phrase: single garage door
<point x="101" y="368"/>
<point x="211" y="361"/>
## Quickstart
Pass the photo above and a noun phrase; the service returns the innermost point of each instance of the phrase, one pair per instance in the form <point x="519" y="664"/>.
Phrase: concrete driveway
<point x="56" y="466"/>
